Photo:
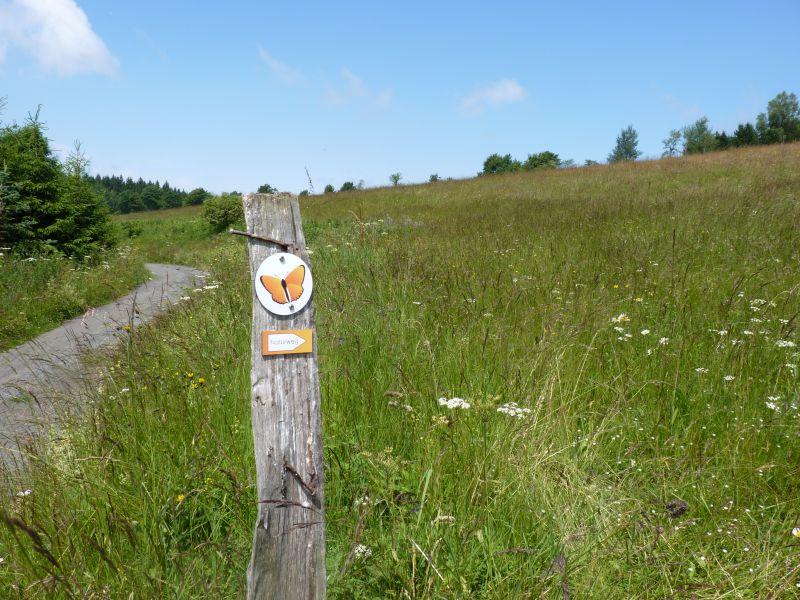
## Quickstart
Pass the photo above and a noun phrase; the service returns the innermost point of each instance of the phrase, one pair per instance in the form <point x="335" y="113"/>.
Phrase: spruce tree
<point x="627" y="146"/>
<point x="52" y="209"/>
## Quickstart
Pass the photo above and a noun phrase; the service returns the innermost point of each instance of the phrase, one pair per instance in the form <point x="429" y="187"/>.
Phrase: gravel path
<point x="40" y="378"/>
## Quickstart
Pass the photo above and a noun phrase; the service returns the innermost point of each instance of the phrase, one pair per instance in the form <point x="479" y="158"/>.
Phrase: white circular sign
<point x="284" y="284"/>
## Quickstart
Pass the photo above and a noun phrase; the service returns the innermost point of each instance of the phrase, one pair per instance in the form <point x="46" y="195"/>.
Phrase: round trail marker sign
<point x="284" y="284"/>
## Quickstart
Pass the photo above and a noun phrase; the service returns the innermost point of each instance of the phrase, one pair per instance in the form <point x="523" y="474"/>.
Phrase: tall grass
<point x="636" y="326"/>
<point x="39" y="293"/>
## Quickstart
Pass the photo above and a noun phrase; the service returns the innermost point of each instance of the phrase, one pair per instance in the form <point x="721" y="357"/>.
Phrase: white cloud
<point x="58" y="35"/>
<point x="281" y="70"/>
<point x="356" y="90"/>
<point x="677" y="105"/>
<point x="501" y="92"/>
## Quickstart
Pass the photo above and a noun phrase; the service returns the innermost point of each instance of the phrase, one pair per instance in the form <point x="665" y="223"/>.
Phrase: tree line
<point x="124" y="195"/>
<point x="778" y="124"/>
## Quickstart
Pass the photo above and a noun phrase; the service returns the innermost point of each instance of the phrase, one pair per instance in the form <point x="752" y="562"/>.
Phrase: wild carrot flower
<point x="454" y="403"/>
<point x="512" y="409"/>
<point x="785" y="344"/>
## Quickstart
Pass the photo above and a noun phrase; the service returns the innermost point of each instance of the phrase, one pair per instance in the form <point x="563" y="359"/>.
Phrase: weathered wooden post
<point x="288" y="560"/>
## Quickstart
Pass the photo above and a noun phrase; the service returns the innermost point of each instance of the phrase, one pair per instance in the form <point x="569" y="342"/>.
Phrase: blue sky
<point x="232" y="96"/>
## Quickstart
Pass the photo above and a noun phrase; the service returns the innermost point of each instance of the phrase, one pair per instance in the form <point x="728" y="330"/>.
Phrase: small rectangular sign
<point x="286" y="341"/>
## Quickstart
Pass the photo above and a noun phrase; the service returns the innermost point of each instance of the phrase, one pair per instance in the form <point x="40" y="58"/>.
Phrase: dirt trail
<point x="41" y="378"/>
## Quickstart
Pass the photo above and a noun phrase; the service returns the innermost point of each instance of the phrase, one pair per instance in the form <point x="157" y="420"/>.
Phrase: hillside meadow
<point x="568" y="383"/>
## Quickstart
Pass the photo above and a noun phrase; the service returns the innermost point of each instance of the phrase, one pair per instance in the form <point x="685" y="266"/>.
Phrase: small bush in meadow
<point x="223" y="211"/>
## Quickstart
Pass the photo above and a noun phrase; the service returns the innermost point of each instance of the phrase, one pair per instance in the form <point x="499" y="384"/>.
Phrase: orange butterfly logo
<point x="288" y="289"/>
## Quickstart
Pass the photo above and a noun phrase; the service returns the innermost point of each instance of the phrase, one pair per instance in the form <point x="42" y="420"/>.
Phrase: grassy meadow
<point x="571" y="383"/>
<point x="39" y="293"/>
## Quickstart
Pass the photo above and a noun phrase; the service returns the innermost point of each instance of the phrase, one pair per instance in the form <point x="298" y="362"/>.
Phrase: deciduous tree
<point x="671" y="144"/>
<point x="542" y="160"/>
<point x="698" y="137"/>
<point x="496" y="164"/>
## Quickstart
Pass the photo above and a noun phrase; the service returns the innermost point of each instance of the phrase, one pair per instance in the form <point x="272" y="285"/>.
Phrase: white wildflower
<point x="796" y="532"/>
<point x="513" y="409"/>
<point x="663" y="341"/>
<point x="454" y="403"/>
<point x="621" y="318"/>
<point x="210" y="287"/>
<point x="443" y="519"/>
<point x="619" y="329"/>
<point x="701" y="370"/>
<point x="23" y="493"/>
<point x="773" y="406"/>
<point x="748" y="332"/>
<point x="758" y="301"/>
<point x="363" y="552"/>
<point x="645" y="332"/>
<point x="785" y="344"/>
<point x="729" y="378"/>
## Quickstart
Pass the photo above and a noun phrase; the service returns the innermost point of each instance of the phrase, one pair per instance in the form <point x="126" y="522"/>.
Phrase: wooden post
<point x="288" y="560"/>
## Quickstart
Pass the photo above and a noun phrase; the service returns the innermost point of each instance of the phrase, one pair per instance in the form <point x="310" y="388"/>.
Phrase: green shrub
<point x="223" y="211"/>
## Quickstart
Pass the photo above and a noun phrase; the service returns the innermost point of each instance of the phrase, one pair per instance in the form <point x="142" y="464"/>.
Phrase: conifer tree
<point x="626" y="147"/>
